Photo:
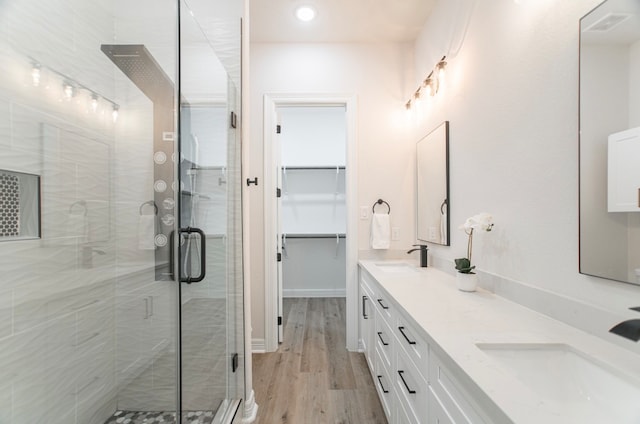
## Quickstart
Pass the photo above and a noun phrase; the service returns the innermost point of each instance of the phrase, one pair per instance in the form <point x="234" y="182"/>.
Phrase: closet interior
<point x="313" y="201"/>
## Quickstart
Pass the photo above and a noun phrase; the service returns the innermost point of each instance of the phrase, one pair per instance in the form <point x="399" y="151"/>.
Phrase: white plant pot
<point x="467" y="282"/>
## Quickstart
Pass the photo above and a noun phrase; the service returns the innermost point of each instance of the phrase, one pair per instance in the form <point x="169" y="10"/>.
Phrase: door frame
<point x="270" y="106"/>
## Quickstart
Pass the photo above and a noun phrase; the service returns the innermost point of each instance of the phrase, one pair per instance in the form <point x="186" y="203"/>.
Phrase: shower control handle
<point x="203" y="255"/>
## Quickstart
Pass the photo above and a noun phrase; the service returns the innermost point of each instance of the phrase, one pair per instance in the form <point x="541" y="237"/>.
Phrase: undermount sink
<point x="583" y="388"/>
<point x="395" y="267"/>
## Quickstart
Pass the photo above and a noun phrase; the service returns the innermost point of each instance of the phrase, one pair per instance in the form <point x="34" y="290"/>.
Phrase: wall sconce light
<point x="428" y="84"/>
<point x="418" y="94"/>
<point x="71" y="87"/>
<point x="68" y="90"/>
<point x="431" y="84"/>
<point x="35" y="74"/>
<point x="94" y="102"/>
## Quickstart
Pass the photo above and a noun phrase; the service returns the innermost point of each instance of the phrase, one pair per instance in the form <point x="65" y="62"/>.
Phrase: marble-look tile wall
<point x="80" y="305"/>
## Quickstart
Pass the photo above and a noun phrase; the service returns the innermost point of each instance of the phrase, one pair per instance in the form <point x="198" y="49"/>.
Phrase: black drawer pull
<point x="405" y="383"/>
<point x="364" y="307"/>
<point x="381" y="386"/>
<point x="382" y="304"/>
<point x="411" y="342"/>
<point x="381" y="339"/>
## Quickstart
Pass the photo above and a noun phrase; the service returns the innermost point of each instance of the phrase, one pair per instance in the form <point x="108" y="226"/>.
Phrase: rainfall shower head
<point x="135" y="61"/>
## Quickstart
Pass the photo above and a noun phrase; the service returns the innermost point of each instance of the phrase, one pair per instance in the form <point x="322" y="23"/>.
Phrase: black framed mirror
<point x="432" y="214"/>
<point x="609" y="158"/>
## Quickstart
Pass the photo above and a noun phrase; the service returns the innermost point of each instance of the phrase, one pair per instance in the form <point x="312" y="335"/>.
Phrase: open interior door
<point x="279" y="235"/>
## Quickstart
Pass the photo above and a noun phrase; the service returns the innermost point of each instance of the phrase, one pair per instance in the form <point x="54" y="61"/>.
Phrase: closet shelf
<point x="318" y="168"/>
<point x="313" y="235"/>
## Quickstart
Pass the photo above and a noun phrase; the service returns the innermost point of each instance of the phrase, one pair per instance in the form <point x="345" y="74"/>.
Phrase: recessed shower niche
<point x="19" y="206"/>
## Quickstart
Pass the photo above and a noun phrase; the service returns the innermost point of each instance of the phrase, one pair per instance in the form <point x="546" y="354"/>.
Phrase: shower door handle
<point x="203" y="255"/>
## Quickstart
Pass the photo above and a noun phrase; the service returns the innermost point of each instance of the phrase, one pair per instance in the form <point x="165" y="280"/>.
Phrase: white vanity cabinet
<point x="413" y="384"/>
<point x="367" y="324"/>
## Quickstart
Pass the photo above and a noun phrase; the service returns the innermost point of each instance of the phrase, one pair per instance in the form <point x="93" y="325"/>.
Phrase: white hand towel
<point x="146" y="232"/>
<point x="380" y="231"/>
<point x="443" y="225"/>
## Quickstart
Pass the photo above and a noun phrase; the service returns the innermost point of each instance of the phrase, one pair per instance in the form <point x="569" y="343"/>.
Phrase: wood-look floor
<point x="312" y="378"/>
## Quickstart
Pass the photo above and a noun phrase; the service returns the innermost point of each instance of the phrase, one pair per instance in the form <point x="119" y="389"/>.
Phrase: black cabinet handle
<point x="203" y="255"/>
<point x="411" y="342"/>
<point x="381" y="339"/>
<point x="382" y="304"/>
<point x="381" y="386"/>
<point x="364" y="307"/>
<point x="405" y="383"/>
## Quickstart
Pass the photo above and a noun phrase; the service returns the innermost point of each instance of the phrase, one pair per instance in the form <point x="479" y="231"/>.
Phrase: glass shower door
<point x="210" y="237"/>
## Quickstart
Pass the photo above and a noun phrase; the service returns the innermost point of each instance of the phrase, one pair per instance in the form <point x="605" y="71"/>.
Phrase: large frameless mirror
<point x="610" y="141"/>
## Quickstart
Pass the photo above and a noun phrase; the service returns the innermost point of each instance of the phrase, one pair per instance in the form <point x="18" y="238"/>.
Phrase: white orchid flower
<point x="482" y="221"/>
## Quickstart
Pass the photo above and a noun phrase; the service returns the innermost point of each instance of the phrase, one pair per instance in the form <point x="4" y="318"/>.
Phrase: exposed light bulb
<point x="94" y="102"/>
<point x="114" y="113"/>
<point x="68" y="91"/>
<point x="408" y="105"/>
<point x="305" y="13"/>
<point x="428" y="84"/>
<point x="440" y="70"/>
<point x="35" y="74"/>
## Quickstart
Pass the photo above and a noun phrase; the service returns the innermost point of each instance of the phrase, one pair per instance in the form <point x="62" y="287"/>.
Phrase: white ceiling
<point x="273" y="21"/>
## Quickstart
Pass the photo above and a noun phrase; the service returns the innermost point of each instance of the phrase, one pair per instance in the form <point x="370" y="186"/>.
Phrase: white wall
<point x="512" y="99"/>
<point x="378" y="75"/>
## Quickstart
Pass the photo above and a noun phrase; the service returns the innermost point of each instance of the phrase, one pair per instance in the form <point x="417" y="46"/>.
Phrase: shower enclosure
<point x="120" y="212"/>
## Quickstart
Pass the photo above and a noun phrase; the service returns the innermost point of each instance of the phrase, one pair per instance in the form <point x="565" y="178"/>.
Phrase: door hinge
<point x="278" y="129"/>
<point x="279" y="259"/>
<point x="278" y="192"/>
<point x="279" y="320"/>
<point x="234" y="362"/>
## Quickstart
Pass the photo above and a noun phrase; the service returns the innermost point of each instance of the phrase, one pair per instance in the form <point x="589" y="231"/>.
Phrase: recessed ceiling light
<point x="305" y="13"/>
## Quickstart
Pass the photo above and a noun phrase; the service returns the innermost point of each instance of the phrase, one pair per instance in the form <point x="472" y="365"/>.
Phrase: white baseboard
<point x="258" y="346"/>
<point x="314" y="293"/>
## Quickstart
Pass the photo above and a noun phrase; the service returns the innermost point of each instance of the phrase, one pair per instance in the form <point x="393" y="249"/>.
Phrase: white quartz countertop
<point x="455" y="322"/>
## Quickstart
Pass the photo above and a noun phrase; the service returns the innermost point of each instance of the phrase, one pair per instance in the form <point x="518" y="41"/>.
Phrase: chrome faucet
<point x="423" y="248"/>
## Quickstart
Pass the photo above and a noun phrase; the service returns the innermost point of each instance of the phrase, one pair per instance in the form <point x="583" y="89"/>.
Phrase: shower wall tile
<point x="5" y="403"/>
<point x="5" y="124"/>
<point x="57" y="319"/>
<point x="6" y="313"/>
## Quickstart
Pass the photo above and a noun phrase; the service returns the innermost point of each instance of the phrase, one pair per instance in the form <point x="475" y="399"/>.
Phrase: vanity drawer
<point x="437" y="413"/>
<point x="416" y="347"/>
<point x="448" y="391"/>
<point x="401" y="416"/>
<point x="384" y="341"/>
<point x="412" y="388"/>
<point x="384" y="306"/>
<point x="384" y="386"/>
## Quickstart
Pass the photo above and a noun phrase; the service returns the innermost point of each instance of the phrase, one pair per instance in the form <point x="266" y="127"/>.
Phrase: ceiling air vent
<point x="607" y="22"/>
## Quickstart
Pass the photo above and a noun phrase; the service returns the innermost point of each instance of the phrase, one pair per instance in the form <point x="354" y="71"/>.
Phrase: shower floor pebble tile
<point x="143" y="417"/>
